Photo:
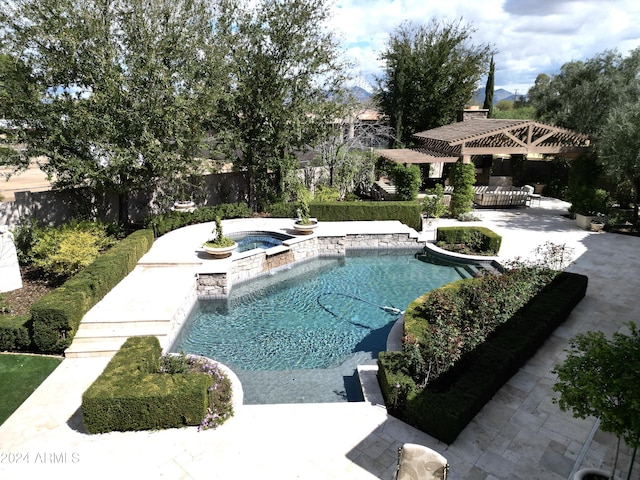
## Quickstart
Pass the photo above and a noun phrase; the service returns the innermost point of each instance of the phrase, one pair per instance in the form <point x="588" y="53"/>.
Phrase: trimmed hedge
<point x="489" y="241"/>
<point x="406" y="212"/>
<point x="57" y="315"/>
<point x="445" y="407"/>
<point x="172" y="220"/>
<point x="14" y="333"/>
<point x="130" y="394"/>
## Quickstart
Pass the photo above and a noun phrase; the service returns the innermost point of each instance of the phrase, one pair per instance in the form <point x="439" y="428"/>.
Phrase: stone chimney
<point x="472" y="112"/>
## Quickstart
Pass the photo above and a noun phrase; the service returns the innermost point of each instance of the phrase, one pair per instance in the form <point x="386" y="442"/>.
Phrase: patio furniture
<point x="417" y="462"/>
<point x="503" y="197"/>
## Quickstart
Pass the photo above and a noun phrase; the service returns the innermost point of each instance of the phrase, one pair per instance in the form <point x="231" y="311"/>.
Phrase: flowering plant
<point x="220" y="393"/>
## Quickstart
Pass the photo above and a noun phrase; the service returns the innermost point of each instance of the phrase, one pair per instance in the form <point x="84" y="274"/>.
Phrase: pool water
<point x="257" y="241"/>
<point x="311" y="324"/>
<point x="252" y="240"/>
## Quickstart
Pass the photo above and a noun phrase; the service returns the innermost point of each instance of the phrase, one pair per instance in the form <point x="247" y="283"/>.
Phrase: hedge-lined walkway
<point x="520" y="434"/>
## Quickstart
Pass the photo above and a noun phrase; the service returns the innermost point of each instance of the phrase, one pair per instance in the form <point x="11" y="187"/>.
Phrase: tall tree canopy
<point x="127" y="88"/>
<point x="600" y="97"/>
<point x="285" y="70"/>
<point x="17" y="90"/>
<point x="580" y="96"/>
<point x="430" y="72"/>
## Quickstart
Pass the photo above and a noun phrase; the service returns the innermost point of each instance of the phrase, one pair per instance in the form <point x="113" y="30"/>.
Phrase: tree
<point x="619" y="149"/>
<point x="17" y="91"/>
<point x="127" y="87"/>
<point x="600" y="378"/>
<point x="346" y="140"/>
<point x="462" y="178"/>
<point x="488" y="91"/>
<point x="285" y="71"/>
<point x="580" y="96"/>
<point x="17" y="95"/>
<point x="430" y="72"/>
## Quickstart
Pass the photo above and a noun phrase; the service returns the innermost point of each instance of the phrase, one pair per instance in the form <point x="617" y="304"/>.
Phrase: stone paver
<point x="520" y="434"/>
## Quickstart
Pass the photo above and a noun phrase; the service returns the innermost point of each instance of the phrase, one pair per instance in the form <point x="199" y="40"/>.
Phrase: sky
<point x="529" y="36"/>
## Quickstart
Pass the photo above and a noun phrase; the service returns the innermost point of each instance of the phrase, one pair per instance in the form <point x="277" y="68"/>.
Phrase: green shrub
<point x="326" y="194"/>
<point x="166" y="222"/>
<point x="477" y="239"/>
<point x="142" y="390"/>
<point x="462" y="178"/>
<point x="406" y="212"/>
<point x="433" y="204"/>
<point x="57" y="315"/>
<point x="454" y="319"/>
<point x="60" y="252"/>
<point x="282" y="209"/>
<point x="14" y="333"/>
<point x="444" y="407"/>
<point x="407" y="181"/>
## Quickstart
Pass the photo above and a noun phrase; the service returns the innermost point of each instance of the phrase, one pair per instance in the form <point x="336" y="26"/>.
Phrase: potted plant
<point x="433" y="206"/>
<point x="219" y="246"/>
<point x="304" y="224"/>
<point x="184" y="206"/>
<point x="597" y="223"/>
<point x="598" y="378"/>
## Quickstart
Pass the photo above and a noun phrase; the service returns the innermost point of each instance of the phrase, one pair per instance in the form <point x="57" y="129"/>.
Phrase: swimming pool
<point x="298" y="335"/>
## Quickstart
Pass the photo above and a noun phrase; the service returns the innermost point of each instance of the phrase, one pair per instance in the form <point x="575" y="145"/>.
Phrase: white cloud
<point x="531" y="36"/>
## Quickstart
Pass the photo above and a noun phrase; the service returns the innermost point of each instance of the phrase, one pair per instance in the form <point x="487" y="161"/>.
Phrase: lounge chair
<point x="417" y="462"/>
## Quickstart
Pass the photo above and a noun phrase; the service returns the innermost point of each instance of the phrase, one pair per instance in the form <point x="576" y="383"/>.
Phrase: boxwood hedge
<point x="130" y="394"/>
<point x="56" y="316"/>
<point x="406" y="212"/>
<point x="445" y="407"/>
<point x="484" y="239"/>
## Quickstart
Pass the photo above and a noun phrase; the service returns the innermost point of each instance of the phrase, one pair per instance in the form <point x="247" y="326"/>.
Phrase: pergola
<point x="489" y="137"/>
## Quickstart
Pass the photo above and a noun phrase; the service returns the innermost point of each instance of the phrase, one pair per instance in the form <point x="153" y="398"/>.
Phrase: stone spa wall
<point x="254" y="263"/>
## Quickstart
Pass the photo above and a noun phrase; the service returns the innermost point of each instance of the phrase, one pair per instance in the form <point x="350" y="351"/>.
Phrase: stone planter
<point x="590" y="474"/>
<point x="597" y="225"/>
<point x="220" y="252"/>
<point x="584" y="221"/>
<point x="184" y="206"/>
<point x="307" y="228"/>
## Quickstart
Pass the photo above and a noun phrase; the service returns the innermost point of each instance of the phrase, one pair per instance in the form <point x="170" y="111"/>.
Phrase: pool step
<point x="110" y="333"/>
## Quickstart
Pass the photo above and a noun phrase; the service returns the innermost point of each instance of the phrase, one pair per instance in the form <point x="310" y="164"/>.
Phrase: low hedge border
<point x="166" y="222"/>
<point x="446" y="406"/>
<point x="490" y="241"/>
<point x="56" y="316"/>
<point x="130" y="394"/>
<point x="14" y="333"/>
<point x="406" y="212"/>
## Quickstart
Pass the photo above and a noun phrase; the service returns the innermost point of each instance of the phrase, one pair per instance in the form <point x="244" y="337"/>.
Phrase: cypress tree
<point x="488" y="91"/>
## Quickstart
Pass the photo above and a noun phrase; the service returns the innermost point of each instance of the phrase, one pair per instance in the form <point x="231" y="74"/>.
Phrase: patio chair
<point x="417" y="462"/>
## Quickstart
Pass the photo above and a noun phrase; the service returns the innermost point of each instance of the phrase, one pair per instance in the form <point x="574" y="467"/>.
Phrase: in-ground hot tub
<point x="252" y="240"/>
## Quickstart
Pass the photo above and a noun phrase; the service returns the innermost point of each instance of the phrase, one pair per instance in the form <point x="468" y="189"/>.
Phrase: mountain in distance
<point x="360" y="93"/>
<point x="498" y="95"/>
<point x="360" y="88"/>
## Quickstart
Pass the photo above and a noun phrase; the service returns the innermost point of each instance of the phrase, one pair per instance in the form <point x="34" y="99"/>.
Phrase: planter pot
<point x="184" y="206"/>
<point x="538" y="187"/>
<point x="305" y="229"/>
<point x="220" y="252"/>
<point x="590" y="474"/>
<point x="429" y="223"/>
<point x="584" y="221"/>
<point x="597" y="226"/>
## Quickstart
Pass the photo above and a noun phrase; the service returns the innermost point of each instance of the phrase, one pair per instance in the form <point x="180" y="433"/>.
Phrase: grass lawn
<point x="20" y="375"/>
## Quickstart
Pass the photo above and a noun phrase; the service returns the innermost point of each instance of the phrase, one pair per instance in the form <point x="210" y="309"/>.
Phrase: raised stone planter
<point x="584" y="221"/>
